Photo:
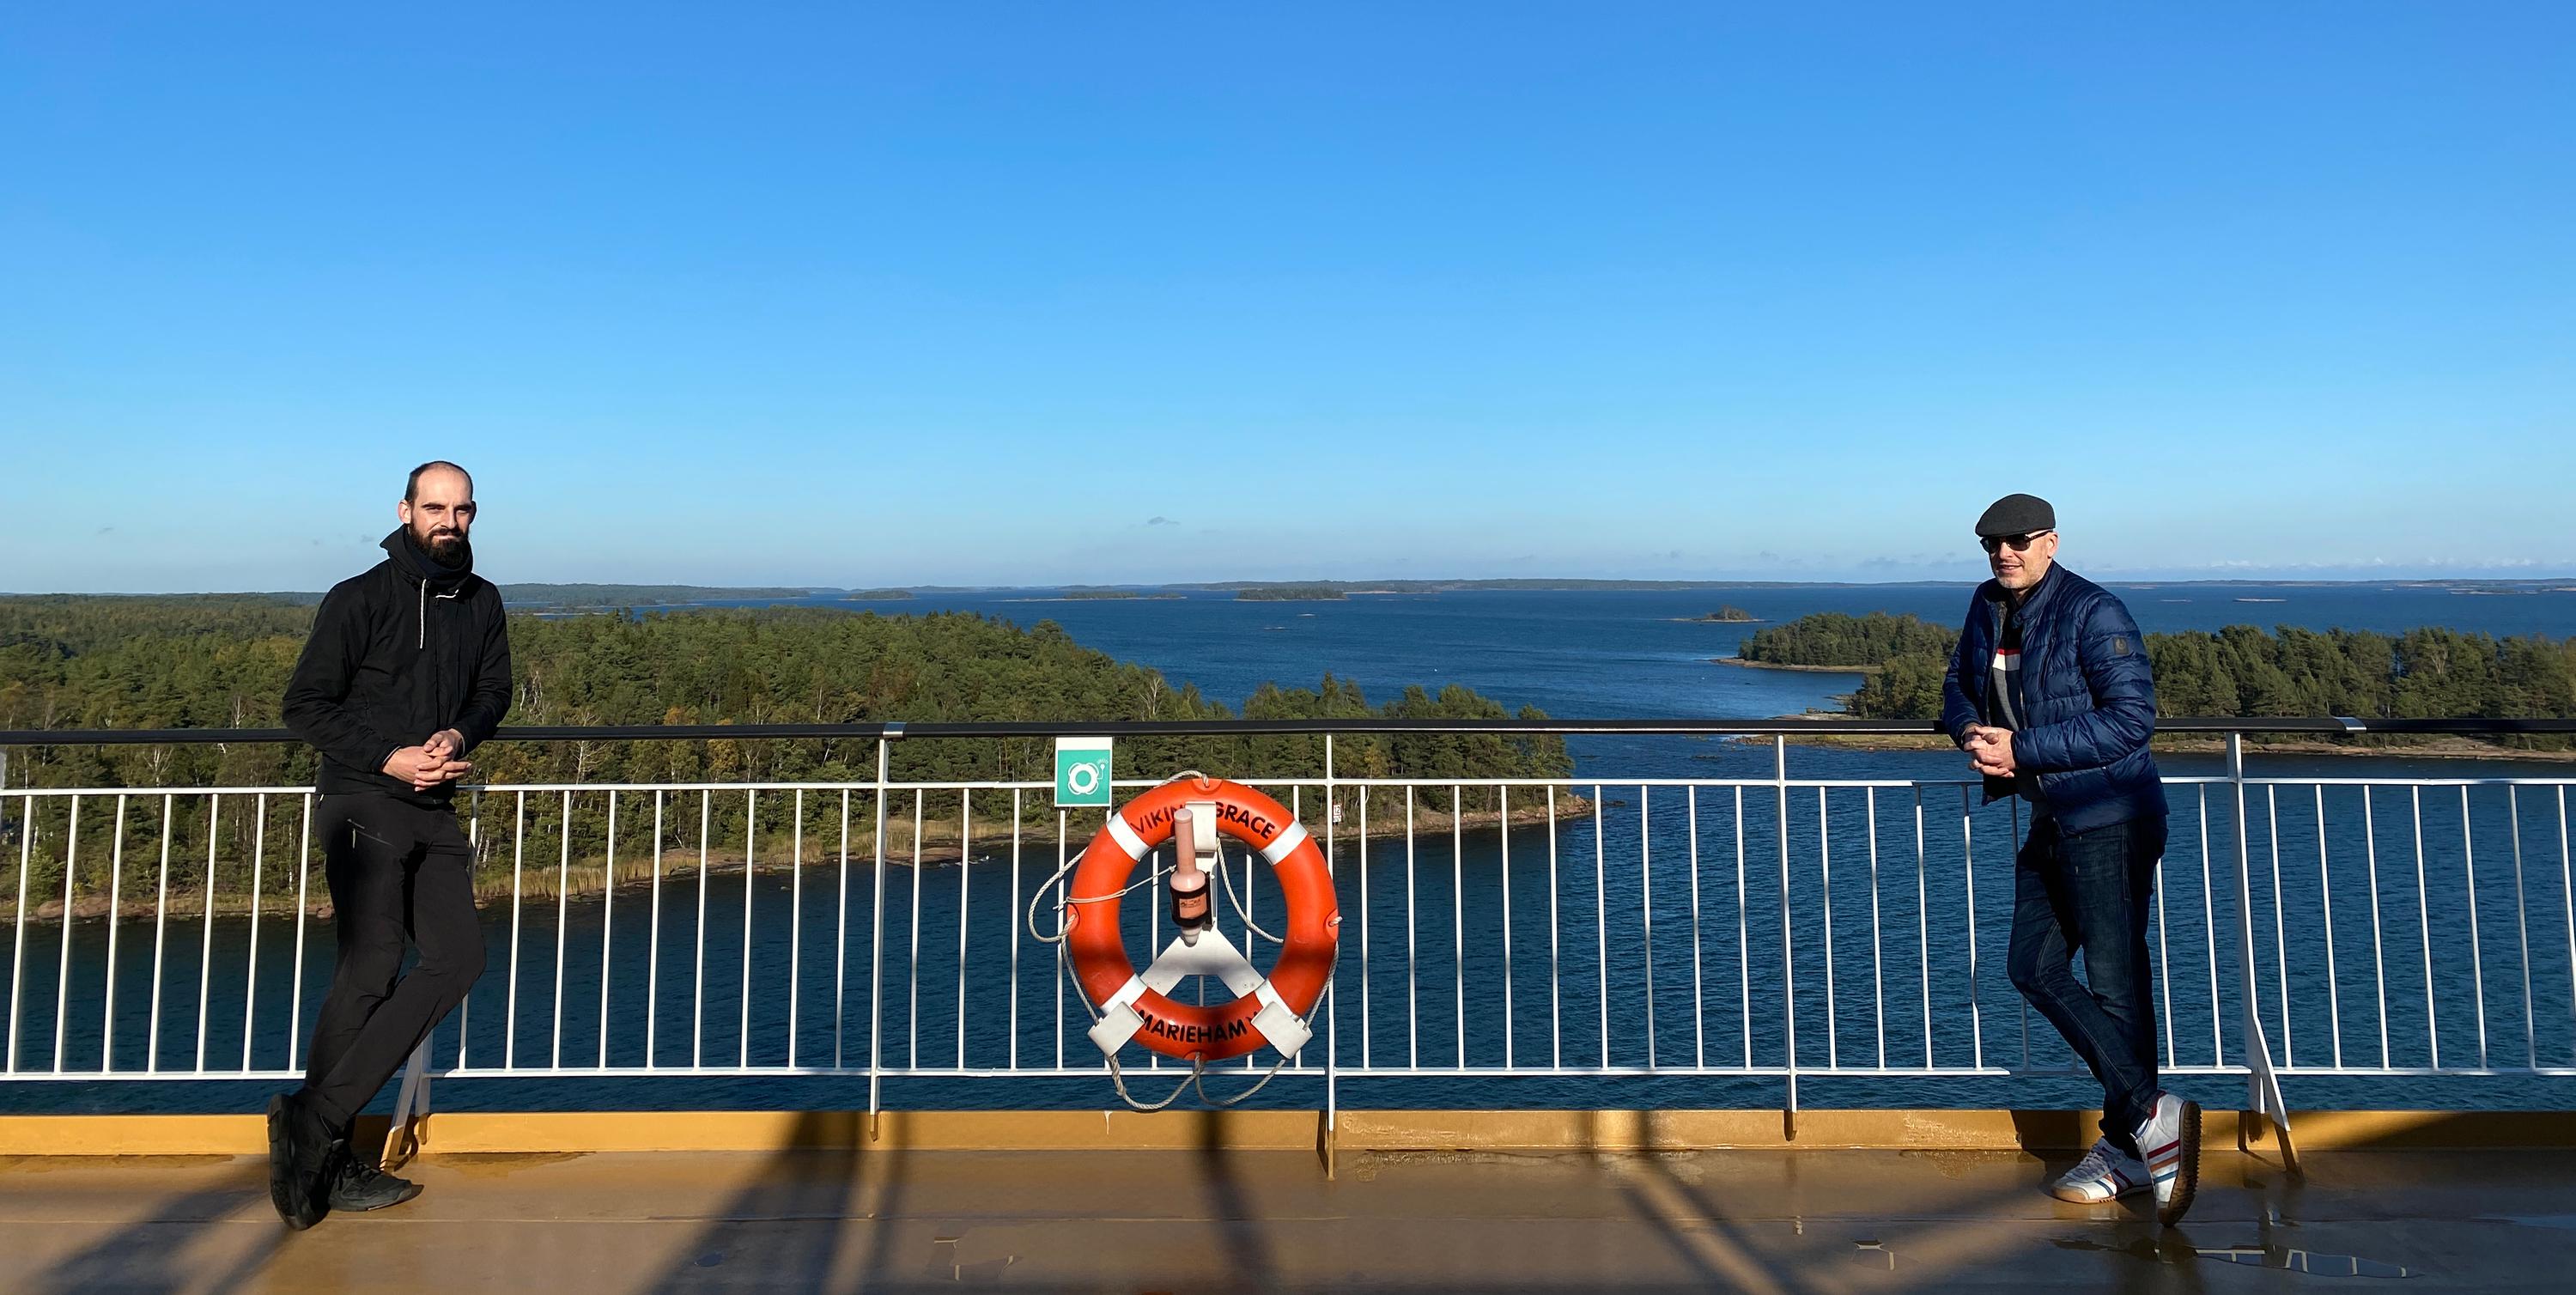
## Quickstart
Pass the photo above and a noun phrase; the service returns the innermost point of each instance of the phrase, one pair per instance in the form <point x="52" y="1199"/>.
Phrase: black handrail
<point x="1801" y="726"/>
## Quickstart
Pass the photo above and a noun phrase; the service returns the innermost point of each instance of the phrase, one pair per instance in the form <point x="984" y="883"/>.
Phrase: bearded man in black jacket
<point x="407" y="671"/>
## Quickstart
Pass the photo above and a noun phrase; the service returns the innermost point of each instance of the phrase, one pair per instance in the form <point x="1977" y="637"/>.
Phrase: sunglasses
<point x="2019" y="543"/>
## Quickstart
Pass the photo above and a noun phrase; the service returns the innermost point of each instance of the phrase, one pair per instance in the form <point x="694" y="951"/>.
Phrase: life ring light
<point x="1268" y="1009"/>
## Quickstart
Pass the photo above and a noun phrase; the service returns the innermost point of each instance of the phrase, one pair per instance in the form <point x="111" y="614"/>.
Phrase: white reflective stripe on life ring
<point x="1286" y="844"/>
<point x="1126" y="837"/>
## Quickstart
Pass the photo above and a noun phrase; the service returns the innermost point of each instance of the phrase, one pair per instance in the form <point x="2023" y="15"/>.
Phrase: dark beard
<point x="446" y="550"/>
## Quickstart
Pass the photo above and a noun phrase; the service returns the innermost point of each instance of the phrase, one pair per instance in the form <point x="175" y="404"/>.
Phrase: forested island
<point x="2239" y="672"/>
<point x="1839" y="641"/>
<point x="877" y="596"/>
<point x="223" y="661"/>
<point x="1292" y="594"/>
<point x="1728" y="615"/>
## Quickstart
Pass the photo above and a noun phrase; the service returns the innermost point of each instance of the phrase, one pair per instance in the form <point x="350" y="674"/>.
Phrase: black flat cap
<point x="2017" y="515"/>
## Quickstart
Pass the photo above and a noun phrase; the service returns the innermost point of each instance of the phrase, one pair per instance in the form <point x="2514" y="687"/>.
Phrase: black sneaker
<point x="359" y="1186"/>
<point x="299" y="1156"/>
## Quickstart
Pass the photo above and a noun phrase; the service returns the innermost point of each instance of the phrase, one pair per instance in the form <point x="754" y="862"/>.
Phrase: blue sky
<point x="975" y="293"/>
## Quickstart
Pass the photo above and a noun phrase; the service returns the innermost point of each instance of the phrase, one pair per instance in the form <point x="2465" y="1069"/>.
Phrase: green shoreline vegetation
<point x="611" y="597"/>
<point x="222" y="662"/>
<point x="2239" y="672"/>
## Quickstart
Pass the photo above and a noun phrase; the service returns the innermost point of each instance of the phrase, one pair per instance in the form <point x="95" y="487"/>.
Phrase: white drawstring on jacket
<point x="423" y="641"/>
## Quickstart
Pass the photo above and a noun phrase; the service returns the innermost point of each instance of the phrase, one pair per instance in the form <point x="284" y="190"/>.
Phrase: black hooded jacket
<point x="398" y="653"/>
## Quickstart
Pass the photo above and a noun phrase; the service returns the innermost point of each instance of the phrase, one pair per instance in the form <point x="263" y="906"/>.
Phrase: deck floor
<point x="1164" y="1221"/>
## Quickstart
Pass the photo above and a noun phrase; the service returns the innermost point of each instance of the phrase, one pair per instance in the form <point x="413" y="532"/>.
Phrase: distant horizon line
<point x="1411" y="584"/>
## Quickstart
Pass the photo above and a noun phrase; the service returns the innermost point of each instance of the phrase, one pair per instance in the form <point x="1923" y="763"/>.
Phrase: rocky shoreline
<point x="1806" y="669"/>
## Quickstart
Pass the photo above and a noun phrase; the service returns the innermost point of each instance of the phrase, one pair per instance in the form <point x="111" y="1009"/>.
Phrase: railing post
<point x="2262" y="1087"/>
<point x="411" y="1104"/>
<point x="1788" y="960"/>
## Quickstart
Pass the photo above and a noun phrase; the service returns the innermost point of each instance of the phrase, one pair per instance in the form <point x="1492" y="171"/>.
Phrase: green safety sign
<point x="1081" y="772"/>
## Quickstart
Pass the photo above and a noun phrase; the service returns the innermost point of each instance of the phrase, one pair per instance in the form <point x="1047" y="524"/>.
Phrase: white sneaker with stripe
<point x="2105" y="1174"/>
<point x="2170" y="1137"/>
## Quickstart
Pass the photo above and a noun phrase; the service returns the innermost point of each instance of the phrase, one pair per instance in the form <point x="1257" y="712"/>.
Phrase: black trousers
<point x="2090" y="892"/>
<point x="398" y="873"/>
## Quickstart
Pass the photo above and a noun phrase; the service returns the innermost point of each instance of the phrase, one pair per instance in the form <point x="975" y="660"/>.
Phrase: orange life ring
<point x="1272" y="1012"/>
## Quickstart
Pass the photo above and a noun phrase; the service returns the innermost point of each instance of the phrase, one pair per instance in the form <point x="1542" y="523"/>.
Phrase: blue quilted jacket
<point x="2087" y="700"/>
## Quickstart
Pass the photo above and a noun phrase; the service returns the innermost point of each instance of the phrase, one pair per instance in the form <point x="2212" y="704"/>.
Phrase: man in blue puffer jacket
<point x="2050" y="696"/>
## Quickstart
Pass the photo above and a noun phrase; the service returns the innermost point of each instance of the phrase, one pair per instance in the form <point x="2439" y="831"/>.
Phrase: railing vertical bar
<point x="1877" y="954"/>
<point x="563" y="922"/>
<point x="1365" y="1032"/>
<point x="1412" y="946"/>
<point x="1458" y="911"/>
<point x="795" y="919"/>
<point x="206" y="948"/>
<point x="750" y="873"/>
<point x="2477" y="957"/>
<point x="1296" y="813"/>
<point x="1332" y="1000"/>
<point x="1923" y="924"/>
<point x="1646" y="908"/>
<point x="607" y="925"/>
<point x="303" y="880"/>
<point x="876" y="947"/>
<point x="1743" y="937"/>
<point x="474" y="864"/>
<point x="1014" y="916"/>
<point x="2378" y="962"/>
<point x="965" y="856"/>
<point x="1825" y="867"/>
<point x="2209" y="933"/>
<point x="2164" y="967"/>
<point x="2566" y="884"/>
<point x="1251" y="858"/>
<point x="841" y="940"/>
<point x="2522" y="926"/>
<point x="63" y="974"/>
<point x="653" y="944"/>
<point x="2021" y="1004"/>
<point x="1555" y="990"/>
<point x="1503" y="800"/>
<point x="2325" y="912"/>
<point x="698" y="986"/>
<point x="1968" y="871"/>
<point x="18" y="946"/>
<point x="912" y="1008"/>
<point x="518" y="872"/>
<point x="115" y="901"/>
<point x="1601" y="914"/>
<point x="160" y="927"/>
<point x="1063" y="825"/>
<point x="1788" y="938"/>
<point x="250" y="978"/>
<point x="2280" y="937"/>
<point x="1699" y="998"/>
<point x="2424" y="931"/>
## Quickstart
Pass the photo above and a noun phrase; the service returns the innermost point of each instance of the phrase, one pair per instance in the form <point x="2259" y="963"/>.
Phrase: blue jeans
<point x="2088" y="892"/>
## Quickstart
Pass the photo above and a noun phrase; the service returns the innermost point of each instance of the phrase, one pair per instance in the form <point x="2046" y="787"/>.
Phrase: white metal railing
<point x="1580" y="928"/>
